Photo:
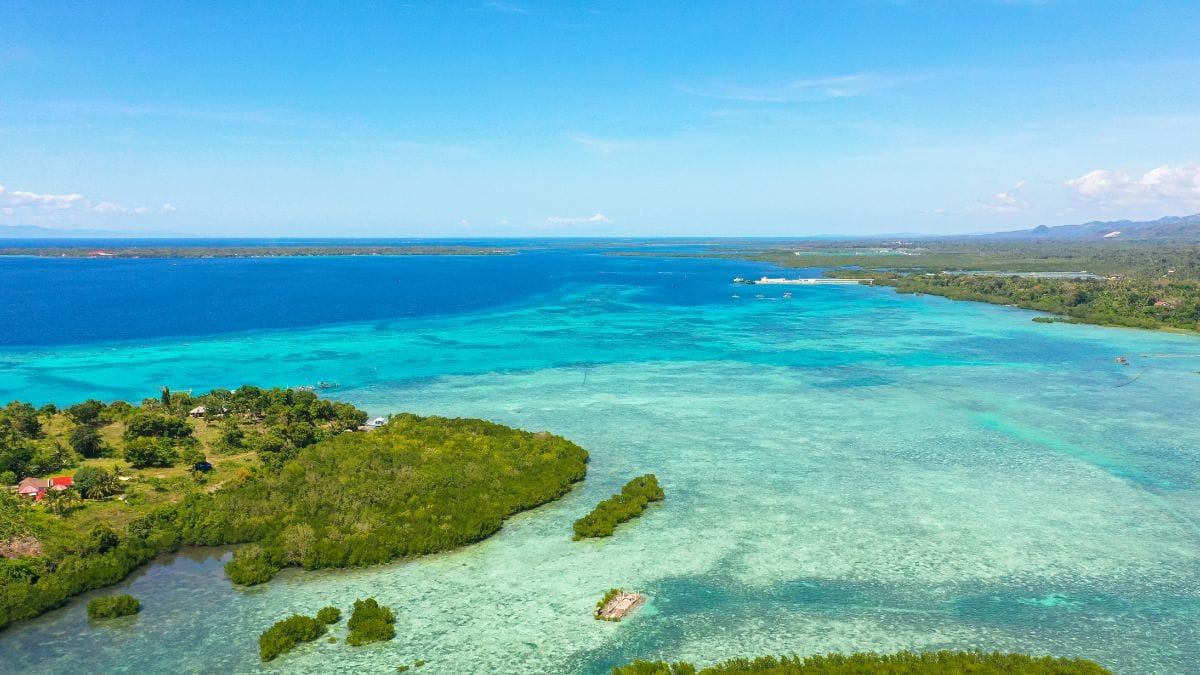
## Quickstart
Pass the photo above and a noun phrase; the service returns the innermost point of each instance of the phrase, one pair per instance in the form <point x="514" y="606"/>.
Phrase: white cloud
<point x="1008" y="201"/>
<point x="1178" y="185"/>
<point x="818" y="89"/>
<point x="597" y="219"/>
<point x="39" y="206"/>
<point x="18" y="199"/>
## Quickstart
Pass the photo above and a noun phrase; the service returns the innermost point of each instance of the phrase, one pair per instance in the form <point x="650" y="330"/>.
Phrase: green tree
<point x="86" y="441"/>
<point x="143" y="424"/>
<point x="251" y="565"/>
<point x="370" y="622"/>
<point x="143" y="451"/>
<point x="231" y="435"/>
<point x="101" y="539"/>
<point x="112" y="606"/>
<point x="87" y="412"/>
<point x="94" y="482"/>
<point x="286" y="634"/>
<point x="22" y="419"/>
<point x="328" y="615"/>
<point x="59" y="502"/>
<point x="48" y="456"/>
<point x="191" y="455"/>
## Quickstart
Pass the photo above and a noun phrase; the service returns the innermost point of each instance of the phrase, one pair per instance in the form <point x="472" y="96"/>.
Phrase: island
<point x="113" y="606"/>
<point x="625" y="505"/>
<point x="98" y="489"/>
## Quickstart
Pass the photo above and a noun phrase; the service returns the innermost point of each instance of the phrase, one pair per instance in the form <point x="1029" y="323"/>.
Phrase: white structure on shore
<point x="804" y="282"/>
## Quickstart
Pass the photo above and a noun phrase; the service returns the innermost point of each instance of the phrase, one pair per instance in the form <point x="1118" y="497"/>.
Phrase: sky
<point x="520" y="118"/>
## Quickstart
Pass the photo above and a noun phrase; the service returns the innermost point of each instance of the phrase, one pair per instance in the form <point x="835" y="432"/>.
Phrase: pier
<point x="803" y="282"/>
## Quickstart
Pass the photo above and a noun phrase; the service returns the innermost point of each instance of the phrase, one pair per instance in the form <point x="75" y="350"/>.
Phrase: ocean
<point x="845" y="469"/>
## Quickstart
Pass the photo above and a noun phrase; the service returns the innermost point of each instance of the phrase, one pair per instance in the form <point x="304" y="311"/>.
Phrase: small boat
<point x="1122" y="360"/>
<point x="328" y="385"/>
<point x="787" y="296"/>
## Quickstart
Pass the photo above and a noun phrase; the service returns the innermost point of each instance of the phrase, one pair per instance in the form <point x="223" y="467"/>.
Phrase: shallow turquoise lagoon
<point x="848" y="469"/>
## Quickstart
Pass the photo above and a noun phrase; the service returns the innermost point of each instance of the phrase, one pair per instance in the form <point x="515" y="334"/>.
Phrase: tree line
<point x="625" y="505"/>
<point x="923" y="663"/>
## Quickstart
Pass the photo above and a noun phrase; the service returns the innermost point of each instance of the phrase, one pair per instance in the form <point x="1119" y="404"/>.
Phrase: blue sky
<point x="654" y="119"/>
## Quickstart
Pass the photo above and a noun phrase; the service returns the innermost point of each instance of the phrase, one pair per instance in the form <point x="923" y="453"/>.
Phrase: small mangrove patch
<point x="625" y="505"/>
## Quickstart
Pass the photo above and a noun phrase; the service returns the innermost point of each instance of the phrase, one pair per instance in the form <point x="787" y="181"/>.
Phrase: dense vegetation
<point x="286" y="634"/>
<point x="1136" y="303"/>
<point x="625" y="505"/>
<point x="902" y="663"/>
<point x="245" y="251"/>
<point x="1106" y="258"/>
<point x="112" y="606"/>
<point x="415" y="486"/>
<point x="1145" y="284"/>
<point x="328" y="615"/>
<point x="286" y="479"/>
<point x="370" y="622"/>
<point x="274" y="424"/>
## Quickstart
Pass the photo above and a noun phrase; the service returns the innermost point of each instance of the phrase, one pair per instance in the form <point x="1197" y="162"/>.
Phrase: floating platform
<point x="620" y="606"/>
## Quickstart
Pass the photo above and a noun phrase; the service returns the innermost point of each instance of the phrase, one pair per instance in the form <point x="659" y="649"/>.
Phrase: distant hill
<point x="1171" y="227"/>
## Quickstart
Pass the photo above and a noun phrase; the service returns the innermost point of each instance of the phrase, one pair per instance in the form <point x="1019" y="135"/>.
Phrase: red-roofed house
<point x="32" y="487"/>
<point x="61" y="483"/>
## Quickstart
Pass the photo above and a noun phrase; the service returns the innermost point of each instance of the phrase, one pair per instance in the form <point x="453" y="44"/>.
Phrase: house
<point x="197" y="412"/>
<point x="1164" y="303"/>
<point x="32" y="487"/>
<point x="60" y="483"/>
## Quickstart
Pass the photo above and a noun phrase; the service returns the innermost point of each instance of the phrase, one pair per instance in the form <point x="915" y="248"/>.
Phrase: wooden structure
<point x="619" y="606"/>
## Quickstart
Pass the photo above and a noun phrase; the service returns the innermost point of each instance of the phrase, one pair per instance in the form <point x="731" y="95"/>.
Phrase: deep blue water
<point x="50" y="301"/>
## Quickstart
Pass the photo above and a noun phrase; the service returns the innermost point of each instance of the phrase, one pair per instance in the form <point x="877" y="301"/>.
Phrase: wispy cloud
<point x="597" y="219"/>
<point x="602" y="146"/>
<point x="39" y="206"/>
<point x="1008" y="201"/>
<point x="506" y="7"/>
<point x="792" y="91"/>
<point x="1165" y="185"/>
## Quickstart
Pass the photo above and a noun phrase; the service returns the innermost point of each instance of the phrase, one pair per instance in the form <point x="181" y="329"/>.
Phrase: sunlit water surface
<point x="847" y="469"/>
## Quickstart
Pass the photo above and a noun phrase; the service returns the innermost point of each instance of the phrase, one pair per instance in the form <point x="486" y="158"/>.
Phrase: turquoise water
<point x="848" y="469"/>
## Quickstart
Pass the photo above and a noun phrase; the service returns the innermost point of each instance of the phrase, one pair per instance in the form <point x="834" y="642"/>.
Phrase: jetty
<point x="823" y="281"/>
<point x="619" y="606"/>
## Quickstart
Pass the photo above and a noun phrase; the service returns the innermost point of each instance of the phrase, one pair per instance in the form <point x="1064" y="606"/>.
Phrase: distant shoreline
<point x="247" y="251"/>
